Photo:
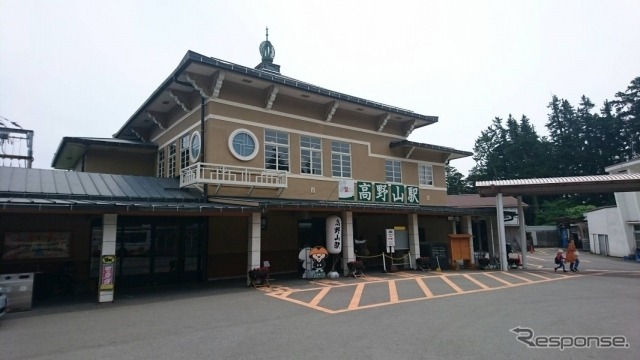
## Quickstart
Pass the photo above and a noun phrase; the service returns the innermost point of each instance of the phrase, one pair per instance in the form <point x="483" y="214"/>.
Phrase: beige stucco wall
<point x="121" y="162"/>
<point x="242" y="107"/>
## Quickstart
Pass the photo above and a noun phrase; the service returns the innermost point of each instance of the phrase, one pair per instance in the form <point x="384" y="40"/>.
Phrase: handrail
<point x="218" y="174"/>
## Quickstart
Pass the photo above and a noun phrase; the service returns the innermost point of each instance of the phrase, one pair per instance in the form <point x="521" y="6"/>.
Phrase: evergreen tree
<point x="627" y="108"/>
<point x="563" y="134"/>
<point x="456" y="184"/>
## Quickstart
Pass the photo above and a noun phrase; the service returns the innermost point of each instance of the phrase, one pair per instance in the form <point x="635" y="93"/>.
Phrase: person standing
<point x="572" y="257"/>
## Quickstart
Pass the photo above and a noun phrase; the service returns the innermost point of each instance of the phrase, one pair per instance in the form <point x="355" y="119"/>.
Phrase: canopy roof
<point x="561" y="185"/>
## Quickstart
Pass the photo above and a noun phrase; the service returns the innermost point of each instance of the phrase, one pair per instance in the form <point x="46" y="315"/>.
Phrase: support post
<point x="253" y="253"/>
<point x="523" y="233"/>
<point x="468" y="229"/>
<point x="501" y="235"/>
<point x="414" y="239"/>
<point x="348" y="253"/>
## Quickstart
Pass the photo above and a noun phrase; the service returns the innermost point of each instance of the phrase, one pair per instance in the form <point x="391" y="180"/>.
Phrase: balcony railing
<point x="215" y="174"/>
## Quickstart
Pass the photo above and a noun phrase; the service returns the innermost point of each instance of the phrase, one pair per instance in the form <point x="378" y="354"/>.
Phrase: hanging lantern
<point x="334" y="235"/>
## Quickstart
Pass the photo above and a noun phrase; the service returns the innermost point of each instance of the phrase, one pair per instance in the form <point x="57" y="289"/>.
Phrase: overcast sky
<point x="82" y="68"/>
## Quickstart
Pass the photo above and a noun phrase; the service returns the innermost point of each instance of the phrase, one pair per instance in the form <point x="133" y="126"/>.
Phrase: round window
<point x="195" y="144"/>
<point x="243" y="144"/>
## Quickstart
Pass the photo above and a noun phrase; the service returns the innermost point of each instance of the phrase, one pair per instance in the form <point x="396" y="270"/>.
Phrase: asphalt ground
<point x="466" y="314"/>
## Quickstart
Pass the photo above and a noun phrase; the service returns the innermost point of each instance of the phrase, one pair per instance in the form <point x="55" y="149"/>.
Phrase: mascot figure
<point x="318" y="255"/>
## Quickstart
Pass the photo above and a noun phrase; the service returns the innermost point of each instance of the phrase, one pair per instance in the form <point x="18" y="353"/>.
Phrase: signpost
<point x="391" y="240"/>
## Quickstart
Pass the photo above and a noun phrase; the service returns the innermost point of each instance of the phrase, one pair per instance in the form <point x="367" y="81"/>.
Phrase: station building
<point x="226" y="167"/>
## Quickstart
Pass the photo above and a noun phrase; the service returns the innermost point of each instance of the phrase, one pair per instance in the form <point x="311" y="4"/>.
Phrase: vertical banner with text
<point x="107" y="273"/>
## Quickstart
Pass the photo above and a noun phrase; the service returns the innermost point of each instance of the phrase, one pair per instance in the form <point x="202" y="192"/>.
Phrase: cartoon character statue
<point x="317" y="255"/>
<point x="315" y="267"/>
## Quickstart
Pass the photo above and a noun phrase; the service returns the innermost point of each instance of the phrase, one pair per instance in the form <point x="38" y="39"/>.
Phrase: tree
<point x="560" y="208"/>
<point x="456" y="184"/>
<point x="515" y="151"/>
<point x="627" y="108"/>
<point x="564" y="134"/>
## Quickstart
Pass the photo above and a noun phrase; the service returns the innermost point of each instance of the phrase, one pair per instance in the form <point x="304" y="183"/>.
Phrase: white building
<point x="615" y="231"/>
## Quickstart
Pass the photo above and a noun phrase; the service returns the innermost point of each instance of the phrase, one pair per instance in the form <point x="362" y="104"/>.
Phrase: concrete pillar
<point x="106" y="292"/>
<point x="523" y="233"/>
<point x="467" y="228"/>
<point x="414" y="239"/>
<point x="348" y="253"/>
<point x="501" y="235"/>
<point x="493" y="237"/>
<point x="254" y="238"/>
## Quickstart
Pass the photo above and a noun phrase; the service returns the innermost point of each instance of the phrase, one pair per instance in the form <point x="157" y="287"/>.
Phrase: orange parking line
<point x="540" y="276"/>
<point x="476" y="282"/>
<point x="355" y="300"/>
<point x="518" y="277"/>
<point x="453" y="286"/>
<point x="498" y="279"/>
<point x="427" y="293"/>
<point x="316" y="300"/>
<point x="393" y="292"/>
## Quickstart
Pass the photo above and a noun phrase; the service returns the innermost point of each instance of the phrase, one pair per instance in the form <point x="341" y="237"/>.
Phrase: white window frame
<point x="276" y="143"/>
<point x="195" y="147"/>
<point x="232" y="142"/>
<point x="425" y="175"/>
<point x="311" y="150"/>
<point x="172" y="161"/>
<point x="161" y="159"/>
<point x="184" y="151"/>
<point x="393" y="171"/>
<point x="340" y="159"/>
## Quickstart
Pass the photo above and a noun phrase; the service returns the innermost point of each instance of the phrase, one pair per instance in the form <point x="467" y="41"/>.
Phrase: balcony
<point x="219" y="175"/>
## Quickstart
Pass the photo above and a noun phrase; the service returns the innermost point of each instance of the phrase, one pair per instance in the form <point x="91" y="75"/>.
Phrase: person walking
<point x="559" y="260"/>
<point x="572" y="257"/>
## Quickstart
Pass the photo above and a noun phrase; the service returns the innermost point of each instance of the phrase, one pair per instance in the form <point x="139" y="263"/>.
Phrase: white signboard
<point x="346" y="190"/>
<point x="391" y="237"/>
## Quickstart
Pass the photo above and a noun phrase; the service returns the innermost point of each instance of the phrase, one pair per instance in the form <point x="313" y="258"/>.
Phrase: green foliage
<point x="456" y="184"/>
<point x="560" y="208"/>
<point x="581" y="142"/>
<point x="508" y="152"/>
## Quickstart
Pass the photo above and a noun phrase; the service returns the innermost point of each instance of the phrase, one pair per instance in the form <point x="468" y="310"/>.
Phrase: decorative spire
<point x="268" y="52"/>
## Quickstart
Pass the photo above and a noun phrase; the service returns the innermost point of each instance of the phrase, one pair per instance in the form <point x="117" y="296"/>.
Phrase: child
<point x="559" y="260"/>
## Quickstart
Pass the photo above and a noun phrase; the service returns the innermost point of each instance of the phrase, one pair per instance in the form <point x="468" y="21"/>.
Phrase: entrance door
<point x="154" y="250"/>
<point x="604" y="244"/>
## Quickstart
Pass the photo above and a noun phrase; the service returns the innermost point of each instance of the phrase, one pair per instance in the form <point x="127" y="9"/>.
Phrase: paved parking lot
<point x="406" y="315"/>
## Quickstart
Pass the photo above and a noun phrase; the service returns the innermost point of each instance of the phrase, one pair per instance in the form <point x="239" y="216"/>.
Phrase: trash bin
<point x="19" y="290"/>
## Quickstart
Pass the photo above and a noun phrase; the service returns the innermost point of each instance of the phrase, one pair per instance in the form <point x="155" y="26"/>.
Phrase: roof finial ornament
<point x="268" y="52"/>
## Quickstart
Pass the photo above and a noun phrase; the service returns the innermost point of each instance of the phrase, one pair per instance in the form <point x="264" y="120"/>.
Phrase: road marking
<point x="519" y="277"/>
<point x="316" y="300"/>
<point x="540" y="276"/>
<point x="323" y="292"/>
<point x="355" y="300"/>
<point x="473" y="280"/>
<point x="425" y="289"/>
<point x="450" y="283"/>
<point x="393" y="292"/>
<point x="499" y="280"/>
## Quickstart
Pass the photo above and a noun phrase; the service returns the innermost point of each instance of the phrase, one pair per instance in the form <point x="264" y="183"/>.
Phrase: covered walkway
<point x="548" y="186"/>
